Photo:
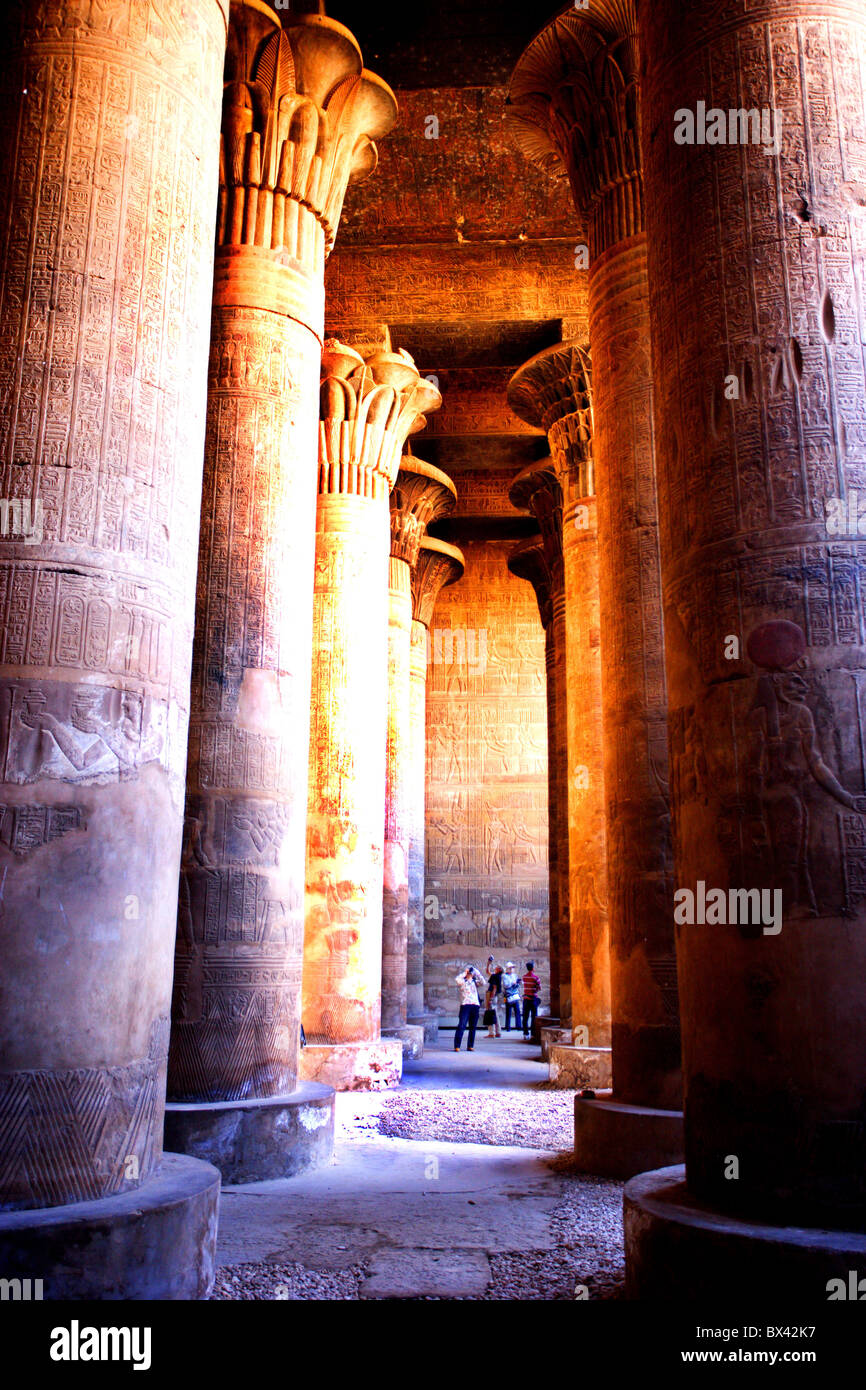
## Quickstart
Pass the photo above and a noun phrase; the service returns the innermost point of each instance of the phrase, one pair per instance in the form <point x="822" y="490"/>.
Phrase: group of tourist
<point x="502" y="984"/>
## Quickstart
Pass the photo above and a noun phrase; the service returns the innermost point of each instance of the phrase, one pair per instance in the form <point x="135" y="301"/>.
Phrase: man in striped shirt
<point x="531" y="991"/>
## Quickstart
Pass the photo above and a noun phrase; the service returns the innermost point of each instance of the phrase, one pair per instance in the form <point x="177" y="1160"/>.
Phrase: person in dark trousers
<point x="531" y="991"/>
<point x="511" y="990"/>
<point x="468" y="983"/>
<point x="491" y="1001"/>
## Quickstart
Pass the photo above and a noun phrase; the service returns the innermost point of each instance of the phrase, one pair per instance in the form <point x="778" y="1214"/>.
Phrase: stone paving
<point x="433" y="1217"/>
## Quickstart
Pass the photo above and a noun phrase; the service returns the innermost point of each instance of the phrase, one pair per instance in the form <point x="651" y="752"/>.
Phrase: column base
<point x="574" y="1067"/>
<point x="157" y="1241"/>
<point x="254" y="1140"/>
<point x="410" y="1037"/>
<point x="354" y="1066"/>
<point x="429" y="1023"/>
<point x="680" y="1250"/>
<point x="613" y="1140"/>
<point x="552" y="1033"/>
<point x="541" y="1021"/>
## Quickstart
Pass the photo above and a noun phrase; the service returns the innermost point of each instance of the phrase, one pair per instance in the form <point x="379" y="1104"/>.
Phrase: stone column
<point x="298" y="116"/>
<point x="367" y="410"/>
<point x="756" y="240"/>
<point x="437" y="565"/>
<point x="587" y="62"/>
<point x="108" y="150"/>
<point x="421" y="493"/>
<point x="558" y="492"/>
<point x="539" y="560"/>
<point x="529" y="561"/>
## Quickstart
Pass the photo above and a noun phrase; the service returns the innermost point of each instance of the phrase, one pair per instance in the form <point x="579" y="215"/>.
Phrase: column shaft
<point x="415" y="813"/>
<point x="368" y="407"/>
<point x="587" y="849"/>
<point x="758" y="320"/>
<point x="586" y="65"/>
<point x="421" y="493"/>
<point x="346" y="816"/>
<point x="553" y="829"/>
<point x="436" y="565"/>
<point x="557" y="773"/>
<point x="395" y="913"/>
<point x="645" y="1031"/>
<point x="284" y="169"/>
<point x="108" y="149"/>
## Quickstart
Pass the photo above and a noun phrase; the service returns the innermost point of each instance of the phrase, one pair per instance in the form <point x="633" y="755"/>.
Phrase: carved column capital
<point x="420" y="495"/>
<point x="553" y="391"/>
<point x="438" y="565"/>
<point x="537" y="489"/>
<point x="529" y="561"/>
<point x="301" y="115"/>
<point x="573" y="102"/>
<point x="368" y="408"/>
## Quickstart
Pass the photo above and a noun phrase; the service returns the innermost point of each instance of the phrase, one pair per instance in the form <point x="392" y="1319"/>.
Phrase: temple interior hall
<point x="433" y="668"/>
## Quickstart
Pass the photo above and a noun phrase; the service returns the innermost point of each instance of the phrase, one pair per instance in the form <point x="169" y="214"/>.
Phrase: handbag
<point x="489" y="1018"/>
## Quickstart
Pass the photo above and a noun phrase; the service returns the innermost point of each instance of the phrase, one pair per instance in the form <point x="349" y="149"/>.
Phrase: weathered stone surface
<point x="415" y="814"/>
<point x="486" y="778"/>
<point x="551" y="1036"/>
<point x="541" y="562"/>
<point x="420" y="494"/>
<point x="767" y="758"/>
<point x="560" y="493"/>
<point x="426" y="1273"/>
<point x="103" y="324"/>
<point x="156" y="1242"/>
<point x="436" y="564"/>
<point x="679" y="1249"/>
<point x="354" y="1066"/>
<point x="428" y="1023"/>
<point x="255" y="1140"/>
<point x="410" y="1037"/>
<point x="579" y="1066"/>
<point x="616" y="1140"/>
<point x="586" y="63"/>
<point x="368" y="408"/>
<point x="299" y="114"/>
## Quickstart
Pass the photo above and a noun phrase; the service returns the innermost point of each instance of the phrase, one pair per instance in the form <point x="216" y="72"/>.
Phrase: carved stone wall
<point x="108" y="150"/>
<point x="486" y="820"/>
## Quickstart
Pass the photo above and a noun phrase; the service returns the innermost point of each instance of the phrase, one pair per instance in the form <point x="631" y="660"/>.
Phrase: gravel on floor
<point x="263" y="1281"/>
<point x="531" y="1119"/>
<point x="588" y="1259"/>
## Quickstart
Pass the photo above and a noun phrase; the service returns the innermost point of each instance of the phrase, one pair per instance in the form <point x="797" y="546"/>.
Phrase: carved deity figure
<point x="783" y="826"/>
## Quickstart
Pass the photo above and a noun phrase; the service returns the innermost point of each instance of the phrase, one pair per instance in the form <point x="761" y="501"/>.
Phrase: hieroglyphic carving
<point x="531" y="561"/>
<point x="108" y="152"/>
<point x="575" y="92"/>
<point x="299" y="116"/>
<point x="485" y="493"/>
<point x="414" y="284"/>
<point x="768" y="770"/>
<point x="368" y="408"/>
<point x="420" y="495"/>
<point x="487" y="780"/>
<point x="554" y="389"/>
